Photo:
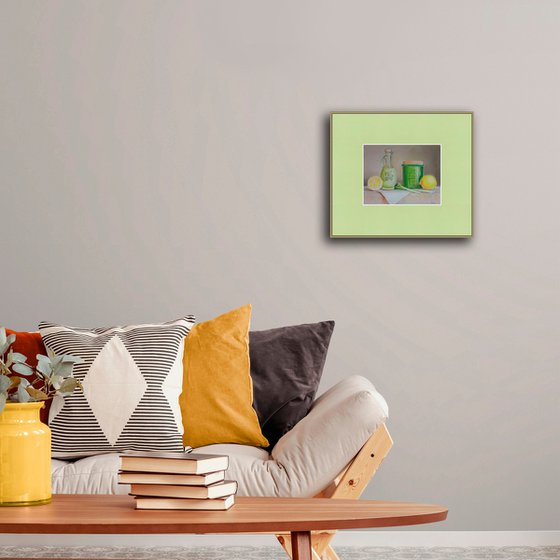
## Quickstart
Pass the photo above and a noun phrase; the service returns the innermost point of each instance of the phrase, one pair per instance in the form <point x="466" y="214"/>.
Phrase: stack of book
<point x="177" y="480"/>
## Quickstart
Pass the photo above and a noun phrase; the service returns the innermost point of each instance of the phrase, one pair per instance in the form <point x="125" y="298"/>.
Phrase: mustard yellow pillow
<point x="217" y="398"/>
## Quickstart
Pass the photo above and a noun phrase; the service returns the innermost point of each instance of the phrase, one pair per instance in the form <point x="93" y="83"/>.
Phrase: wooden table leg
<point x="301" y="545"/>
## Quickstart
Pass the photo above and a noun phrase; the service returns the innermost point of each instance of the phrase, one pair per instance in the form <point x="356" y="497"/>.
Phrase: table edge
<point x="223" y="528"/>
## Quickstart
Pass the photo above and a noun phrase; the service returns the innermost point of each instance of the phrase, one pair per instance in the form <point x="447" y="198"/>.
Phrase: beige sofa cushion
<point x="98" y="474"/>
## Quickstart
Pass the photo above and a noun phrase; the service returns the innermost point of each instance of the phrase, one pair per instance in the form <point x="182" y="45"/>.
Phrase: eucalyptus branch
<point x="14" y="373"/>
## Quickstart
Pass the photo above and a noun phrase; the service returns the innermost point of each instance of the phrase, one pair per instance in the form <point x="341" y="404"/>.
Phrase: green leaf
<point x="55" y="360"/>
<point x="18" y="358"/>
<point x="22" y="369"/>
<point x="64" y="365"/>
<point x="3" y="399"/>
<point x="68" y="385"/>
<point x="3" y="341"/>
<point x="22" y="395"/>
<point x="37" y="394"/>
<point x="44" y="366"/>
<point x="56" y="381"/>
<point x="5" y="383"/>
<point x="10" y="339"/>
<point x="64" y="370"/>
<point x="69" y="359"/>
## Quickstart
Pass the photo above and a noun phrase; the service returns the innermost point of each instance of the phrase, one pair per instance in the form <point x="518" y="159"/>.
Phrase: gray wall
<point x="161" y="158"/>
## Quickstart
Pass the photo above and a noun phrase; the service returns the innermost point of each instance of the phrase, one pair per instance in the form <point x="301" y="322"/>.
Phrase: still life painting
<point x="401" y="175"/>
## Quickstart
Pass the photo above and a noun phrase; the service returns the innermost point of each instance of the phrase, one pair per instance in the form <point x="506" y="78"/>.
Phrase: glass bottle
<point x="388" y="172"/>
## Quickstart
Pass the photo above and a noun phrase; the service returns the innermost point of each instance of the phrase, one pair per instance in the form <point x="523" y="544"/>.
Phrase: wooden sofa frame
<point x="349" y="484"/>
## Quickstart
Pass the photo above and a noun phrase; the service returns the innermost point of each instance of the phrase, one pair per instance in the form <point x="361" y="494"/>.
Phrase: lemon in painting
<point x="374" y="182"/>
<point x="428" y="182"/>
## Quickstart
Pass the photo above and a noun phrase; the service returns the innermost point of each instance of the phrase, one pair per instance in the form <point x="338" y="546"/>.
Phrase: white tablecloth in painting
<point x="398" y="196"/>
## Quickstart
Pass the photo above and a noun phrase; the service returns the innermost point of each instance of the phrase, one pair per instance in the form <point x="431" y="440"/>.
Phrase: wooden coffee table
<point x="109" y="514"/>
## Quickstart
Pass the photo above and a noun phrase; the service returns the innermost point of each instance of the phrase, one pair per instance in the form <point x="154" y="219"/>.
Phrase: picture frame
<point x="401" y="174"/>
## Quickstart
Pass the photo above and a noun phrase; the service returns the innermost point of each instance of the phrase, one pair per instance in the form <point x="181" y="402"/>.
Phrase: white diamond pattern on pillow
<point x="113" y="388"/>
<point x="132" y="379"/>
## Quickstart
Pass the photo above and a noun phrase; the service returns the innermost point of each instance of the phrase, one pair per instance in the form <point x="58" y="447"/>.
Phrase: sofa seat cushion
<point x="92" y="475"/>
<point x="98" y="474"/>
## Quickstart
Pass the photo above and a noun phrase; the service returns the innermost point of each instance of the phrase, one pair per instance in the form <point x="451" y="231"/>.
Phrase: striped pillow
<point x="132" y="378"/>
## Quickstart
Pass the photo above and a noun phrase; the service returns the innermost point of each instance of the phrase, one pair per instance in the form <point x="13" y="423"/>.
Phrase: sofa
<point x="303" y="463"/>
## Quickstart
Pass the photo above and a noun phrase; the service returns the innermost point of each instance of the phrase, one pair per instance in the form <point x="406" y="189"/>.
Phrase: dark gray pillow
<point x="286" y="367"/>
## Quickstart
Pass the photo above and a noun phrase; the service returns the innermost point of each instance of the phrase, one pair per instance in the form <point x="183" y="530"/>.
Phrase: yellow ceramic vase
<point x="25" y="456"/>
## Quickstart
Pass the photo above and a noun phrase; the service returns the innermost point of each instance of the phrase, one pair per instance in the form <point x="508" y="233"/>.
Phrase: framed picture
<point x="401" y="174"/>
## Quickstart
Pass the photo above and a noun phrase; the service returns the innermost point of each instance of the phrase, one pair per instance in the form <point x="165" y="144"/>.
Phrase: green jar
<point x="412" y="172"/>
